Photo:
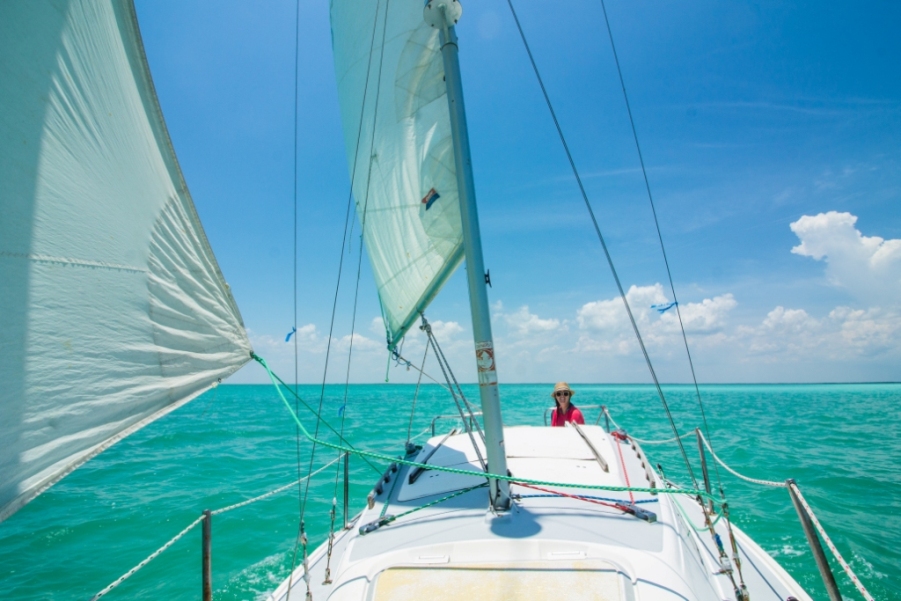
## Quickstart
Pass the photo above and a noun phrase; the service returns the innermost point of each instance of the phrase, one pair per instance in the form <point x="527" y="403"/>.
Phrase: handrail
<point x="468" y="426"/>
<point x="580" y="407"/>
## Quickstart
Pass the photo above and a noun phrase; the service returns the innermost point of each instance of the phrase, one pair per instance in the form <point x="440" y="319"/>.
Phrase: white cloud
<point x="377" y="326"/>
<point x="868" y="266"/>
<point x="707" y="317"/>
<point x="444" y="331"/>
<point x="360" y="343"/>
<point x="608" y="319"/>
<point x="845" y="333"/>
<point x="525" y="323"/>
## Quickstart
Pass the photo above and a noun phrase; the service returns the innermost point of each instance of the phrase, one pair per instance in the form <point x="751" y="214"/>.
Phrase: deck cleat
<point x="642" y="514"/>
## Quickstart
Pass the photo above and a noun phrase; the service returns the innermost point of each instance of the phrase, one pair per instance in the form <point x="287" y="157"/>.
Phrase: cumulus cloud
<point x="867" y="266"/>
<point x="445" y="330"/>
<point x="360" y="343"/>
<point x="377" y="326"/>
<point x="605" y="323"/>
<point x="523" y="322"/>
<point x="842" y="334"/>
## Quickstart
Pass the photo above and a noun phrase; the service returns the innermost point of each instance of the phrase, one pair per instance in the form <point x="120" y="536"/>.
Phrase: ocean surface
<point x="842" y="443"/>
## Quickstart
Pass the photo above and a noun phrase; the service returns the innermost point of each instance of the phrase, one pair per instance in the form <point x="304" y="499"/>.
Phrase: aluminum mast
<point x="443" y="14"/>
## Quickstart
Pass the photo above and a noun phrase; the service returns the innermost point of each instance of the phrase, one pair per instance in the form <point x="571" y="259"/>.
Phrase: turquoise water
<point x="841" y="442"/>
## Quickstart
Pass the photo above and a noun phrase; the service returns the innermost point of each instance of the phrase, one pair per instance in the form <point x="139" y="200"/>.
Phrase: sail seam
<point x="69" y="262"/>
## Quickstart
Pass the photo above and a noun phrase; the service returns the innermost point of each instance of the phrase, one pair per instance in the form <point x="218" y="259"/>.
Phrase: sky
<point x="771" y="133"/>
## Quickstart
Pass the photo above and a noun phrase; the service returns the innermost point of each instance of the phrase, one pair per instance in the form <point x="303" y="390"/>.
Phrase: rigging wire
<point x="344" y="241"/>
<point x="416" y="394"/>
<point x="669" y="275"/>
<point x="600" y="236"/>
<point x="296" y="395"/>
<point x="353" y="322"/>
<point x="347" y="217"/>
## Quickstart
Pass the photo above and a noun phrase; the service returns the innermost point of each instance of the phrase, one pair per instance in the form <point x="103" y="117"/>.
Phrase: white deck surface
<point x="545" y="547"/>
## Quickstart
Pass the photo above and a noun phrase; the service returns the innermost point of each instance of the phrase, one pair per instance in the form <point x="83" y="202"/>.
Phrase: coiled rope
<point x="191" y="526"/>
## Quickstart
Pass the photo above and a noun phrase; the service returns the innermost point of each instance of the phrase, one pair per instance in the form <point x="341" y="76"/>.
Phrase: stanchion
<point x="207" y="555"/>
<point x="814" y="541"/>
<point x="346" y="488"/>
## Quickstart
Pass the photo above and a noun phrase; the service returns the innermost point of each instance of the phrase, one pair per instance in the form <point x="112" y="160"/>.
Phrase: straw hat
<point x="562" y="386"/>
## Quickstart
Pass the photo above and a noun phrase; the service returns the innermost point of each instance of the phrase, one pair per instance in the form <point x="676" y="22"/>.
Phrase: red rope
<point x="577" y="497"/>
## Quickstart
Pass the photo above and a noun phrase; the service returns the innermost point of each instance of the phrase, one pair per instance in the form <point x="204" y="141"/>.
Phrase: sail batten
<point x="399" y="152"/>
<point x="114" y="310"/>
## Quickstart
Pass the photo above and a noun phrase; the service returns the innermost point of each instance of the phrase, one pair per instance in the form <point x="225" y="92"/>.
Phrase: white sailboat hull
<point x="547" y="546"/>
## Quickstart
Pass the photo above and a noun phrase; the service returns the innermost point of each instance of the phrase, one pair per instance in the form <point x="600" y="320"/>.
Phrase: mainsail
<point x="113" y="310"/>
<point x="398" y="138"/>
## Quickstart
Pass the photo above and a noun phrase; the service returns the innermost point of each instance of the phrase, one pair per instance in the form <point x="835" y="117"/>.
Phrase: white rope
<point x="659" y="441"/>
<point x="152" y="556"/>
<point x="190" y="526"/>
<point x="736" y="474"/>
<point x="613" y="421"/>
<point x="277" y="490"/>
<point x="838" y="557"/>
<point x="426" y="431"/>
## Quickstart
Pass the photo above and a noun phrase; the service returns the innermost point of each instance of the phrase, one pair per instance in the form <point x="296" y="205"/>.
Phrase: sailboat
<point x="99" y="233"/>
<point x="491" y="512"/>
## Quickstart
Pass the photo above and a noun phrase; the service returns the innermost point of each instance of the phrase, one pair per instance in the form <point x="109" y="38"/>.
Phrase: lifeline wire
<point x="669" y="275"/>
<point x="597" y="230"/>
<point x="190" y="526"/>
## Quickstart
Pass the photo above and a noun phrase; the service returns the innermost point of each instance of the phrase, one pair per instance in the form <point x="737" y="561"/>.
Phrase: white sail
<point x="399" y="151"/>
<point x="113" y="310"/>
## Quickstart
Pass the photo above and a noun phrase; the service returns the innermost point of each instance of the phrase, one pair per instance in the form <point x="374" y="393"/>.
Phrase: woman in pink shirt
<point x="565" y="411"/>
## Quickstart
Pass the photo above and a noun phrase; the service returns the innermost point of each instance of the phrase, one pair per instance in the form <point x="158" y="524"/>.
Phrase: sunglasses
<point x="562" y="393"/>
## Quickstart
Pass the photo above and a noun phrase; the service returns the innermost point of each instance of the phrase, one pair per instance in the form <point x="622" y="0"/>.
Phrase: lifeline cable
<point x="669" y="275"/>
<point x="597" y="230"/>
<point x="190" y="526"/>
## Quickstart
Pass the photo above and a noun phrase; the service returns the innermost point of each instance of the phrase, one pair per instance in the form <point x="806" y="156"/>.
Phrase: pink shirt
<point x="572" y="415"/>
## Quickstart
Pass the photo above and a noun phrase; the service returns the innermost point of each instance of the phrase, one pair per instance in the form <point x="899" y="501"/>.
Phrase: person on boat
<point x="565" y="411"/>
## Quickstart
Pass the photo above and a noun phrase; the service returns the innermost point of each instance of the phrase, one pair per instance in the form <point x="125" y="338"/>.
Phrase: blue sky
<point x="766" y="127"/>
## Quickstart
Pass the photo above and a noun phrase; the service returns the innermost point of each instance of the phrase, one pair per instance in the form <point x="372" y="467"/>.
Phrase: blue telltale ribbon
<point x="663" y="308"/>
<point x="291" y="333"/>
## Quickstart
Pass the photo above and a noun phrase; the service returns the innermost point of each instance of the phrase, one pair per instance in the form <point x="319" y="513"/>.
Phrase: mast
<point x="443" y="14"/>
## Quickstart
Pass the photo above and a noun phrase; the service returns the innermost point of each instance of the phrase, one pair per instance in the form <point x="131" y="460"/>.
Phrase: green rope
<point x="390" y="519"/>
<point x="437" y="468"/>
<point x="313" y="411"/>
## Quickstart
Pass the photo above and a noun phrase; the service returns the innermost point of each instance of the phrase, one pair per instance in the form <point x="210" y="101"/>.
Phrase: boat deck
<point x="546" y="546"/>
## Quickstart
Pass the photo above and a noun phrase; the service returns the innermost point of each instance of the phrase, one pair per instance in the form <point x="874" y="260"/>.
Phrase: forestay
<point x="113" y="308"/>
<point x="399" y="150"/>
